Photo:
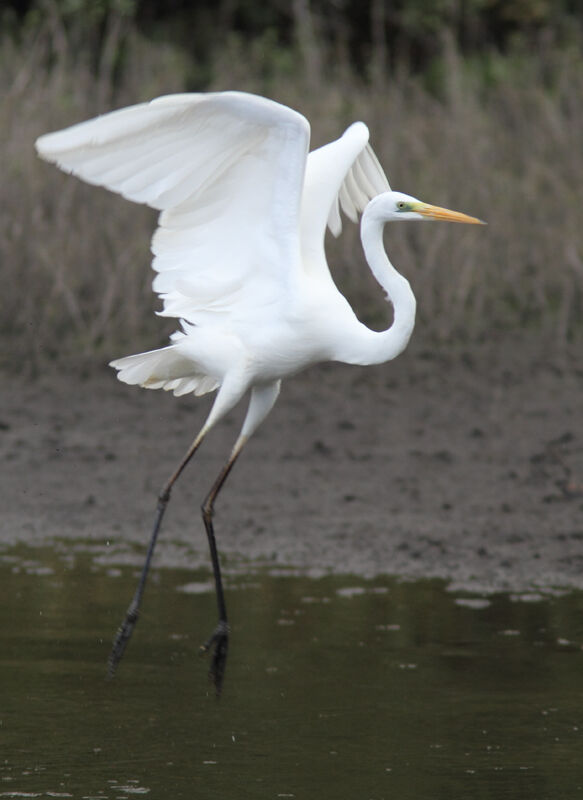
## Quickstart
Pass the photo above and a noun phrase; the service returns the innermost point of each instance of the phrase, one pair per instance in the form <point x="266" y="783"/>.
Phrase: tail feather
<point x="166" y="369"/>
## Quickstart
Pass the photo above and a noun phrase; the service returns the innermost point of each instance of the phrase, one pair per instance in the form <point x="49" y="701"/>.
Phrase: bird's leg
<point x="260" y="404"/>
<point x="261" y="401"/>
<point x="219" y="639"/>
<point x="127" y="626"/>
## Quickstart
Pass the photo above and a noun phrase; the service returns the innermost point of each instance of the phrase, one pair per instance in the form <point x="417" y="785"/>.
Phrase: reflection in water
<point x="335" y="688"/>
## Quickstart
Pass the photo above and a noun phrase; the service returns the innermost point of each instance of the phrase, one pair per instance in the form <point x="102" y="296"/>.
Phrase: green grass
<point x="499" y="139"/>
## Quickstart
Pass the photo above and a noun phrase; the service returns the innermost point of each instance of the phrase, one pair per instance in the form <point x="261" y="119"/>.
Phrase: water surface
<point x="335" y="688"/>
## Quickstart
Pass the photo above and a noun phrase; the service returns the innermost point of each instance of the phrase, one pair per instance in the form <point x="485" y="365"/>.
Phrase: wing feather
<point x="344" y="174"/>
<point x="226" y="170"/>
<point x="356" y="189"/>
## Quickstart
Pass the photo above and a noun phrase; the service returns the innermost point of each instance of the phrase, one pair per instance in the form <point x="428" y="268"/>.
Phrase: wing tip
<point x="358" y="130"/>
<point x="43" y="147"/>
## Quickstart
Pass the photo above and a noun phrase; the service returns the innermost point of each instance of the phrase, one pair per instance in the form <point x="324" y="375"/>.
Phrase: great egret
<point x="240" y="258"/>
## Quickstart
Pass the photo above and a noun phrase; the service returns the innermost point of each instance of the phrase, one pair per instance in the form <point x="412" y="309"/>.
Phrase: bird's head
<point x="390" y="206"/>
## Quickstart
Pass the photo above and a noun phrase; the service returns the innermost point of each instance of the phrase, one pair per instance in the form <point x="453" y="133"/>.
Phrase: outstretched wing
<point x="343" y="174"/>
<point x="226" y="170"/>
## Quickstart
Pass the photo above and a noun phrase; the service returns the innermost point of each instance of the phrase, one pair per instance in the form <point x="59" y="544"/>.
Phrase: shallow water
<point x="335" y="688"/>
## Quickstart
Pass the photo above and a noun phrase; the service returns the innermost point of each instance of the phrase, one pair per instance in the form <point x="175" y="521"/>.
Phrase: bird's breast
<point x="284" y="348"/>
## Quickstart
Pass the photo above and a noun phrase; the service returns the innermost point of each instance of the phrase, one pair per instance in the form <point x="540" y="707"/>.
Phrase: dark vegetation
<point x="475" y="105"/>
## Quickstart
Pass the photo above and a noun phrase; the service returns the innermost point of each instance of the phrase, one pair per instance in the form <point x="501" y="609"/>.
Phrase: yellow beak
<point x="435" y="212"/>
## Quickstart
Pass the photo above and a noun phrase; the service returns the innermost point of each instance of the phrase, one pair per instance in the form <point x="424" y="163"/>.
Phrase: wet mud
<point x="465" y="467"/>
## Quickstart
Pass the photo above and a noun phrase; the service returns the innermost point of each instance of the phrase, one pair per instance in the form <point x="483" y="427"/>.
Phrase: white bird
<point x="240" y="260"/>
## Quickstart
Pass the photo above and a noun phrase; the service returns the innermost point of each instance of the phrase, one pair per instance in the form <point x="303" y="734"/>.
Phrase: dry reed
<point x="75" y="258"/>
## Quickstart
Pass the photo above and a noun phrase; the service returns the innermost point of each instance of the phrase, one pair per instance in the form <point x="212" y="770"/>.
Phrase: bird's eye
<point x="401" y="205"/>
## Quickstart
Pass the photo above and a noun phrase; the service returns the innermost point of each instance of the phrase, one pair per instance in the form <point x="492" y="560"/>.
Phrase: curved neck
<point x="376" y="347"/>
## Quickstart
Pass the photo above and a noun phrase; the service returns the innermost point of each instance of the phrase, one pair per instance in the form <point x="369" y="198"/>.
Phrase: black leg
<point x="128" y="624"/>
<point x="218" y="641"/>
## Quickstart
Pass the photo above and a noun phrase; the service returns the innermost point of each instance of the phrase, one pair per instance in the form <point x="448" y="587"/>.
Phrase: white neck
<point x="374" y="347"/>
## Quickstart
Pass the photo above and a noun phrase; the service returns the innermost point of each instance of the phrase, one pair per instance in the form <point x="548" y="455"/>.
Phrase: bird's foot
<point x="218" y="641"/>
<point x="122" y="637"/>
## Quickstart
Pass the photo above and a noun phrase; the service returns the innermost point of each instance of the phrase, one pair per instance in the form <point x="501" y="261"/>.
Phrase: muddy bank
<point x="466" y="468"/>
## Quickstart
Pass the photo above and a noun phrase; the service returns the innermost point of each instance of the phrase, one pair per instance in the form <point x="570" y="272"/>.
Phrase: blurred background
<point x="471" y="104"/>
